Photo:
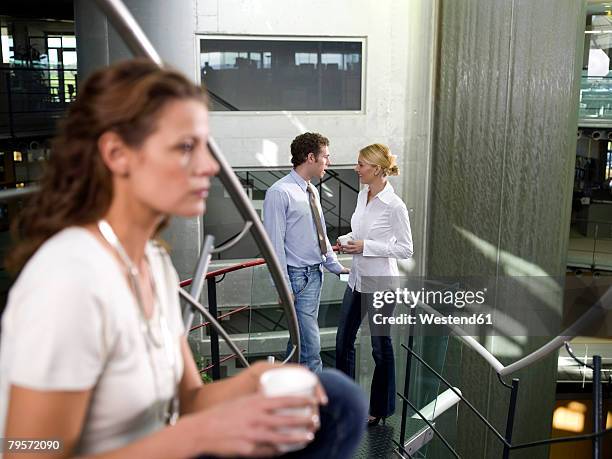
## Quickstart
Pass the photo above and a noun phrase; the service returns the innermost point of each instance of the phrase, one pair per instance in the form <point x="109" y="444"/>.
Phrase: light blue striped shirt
<point x="289" y="223"/>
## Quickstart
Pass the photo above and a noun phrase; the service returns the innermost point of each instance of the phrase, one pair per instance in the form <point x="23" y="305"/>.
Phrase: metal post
<point x="406" y="390"/>
<point x="197" y="282"/>
<point x="597" y="406"/>
<point x="214" y="337"/>
<point x="510" y="419"/>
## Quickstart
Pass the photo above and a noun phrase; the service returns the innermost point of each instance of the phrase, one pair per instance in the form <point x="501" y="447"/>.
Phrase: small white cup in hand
<point x="344" y="240"/>
<point x="287" y="382"/>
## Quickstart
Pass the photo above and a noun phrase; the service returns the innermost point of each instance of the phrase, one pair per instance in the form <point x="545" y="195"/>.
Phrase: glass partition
<point x="248" y="309"/>
<point x="590" y="242"/>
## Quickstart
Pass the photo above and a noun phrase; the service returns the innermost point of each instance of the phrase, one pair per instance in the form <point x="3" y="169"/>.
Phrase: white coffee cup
<point x="287" y="382"/>
<point x="343" y="240"/>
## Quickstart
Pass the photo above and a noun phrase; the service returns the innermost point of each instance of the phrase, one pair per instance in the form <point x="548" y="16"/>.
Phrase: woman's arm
<point x="44" y="415"/>
<point x="195" y="396"/>
<point x="246" y="426"/>
<point x="59" y="415"/>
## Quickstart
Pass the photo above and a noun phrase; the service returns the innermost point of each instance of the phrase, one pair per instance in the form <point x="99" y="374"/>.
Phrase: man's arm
<point x="275" y="223"/>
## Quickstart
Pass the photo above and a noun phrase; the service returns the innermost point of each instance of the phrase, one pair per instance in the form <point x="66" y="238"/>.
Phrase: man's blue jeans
<point x="306" y="284"/>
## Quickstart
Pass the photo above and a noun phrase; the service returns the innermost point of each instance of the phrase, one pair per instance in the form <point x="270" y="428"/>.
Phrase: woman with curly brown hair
<point x="93" y="347"/>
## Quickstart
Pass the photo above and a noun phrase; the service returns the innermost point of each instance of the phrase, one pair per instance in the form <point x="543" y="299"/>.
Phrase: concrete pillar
<point x="170" y="26"/>
<point x="504" y="142"/>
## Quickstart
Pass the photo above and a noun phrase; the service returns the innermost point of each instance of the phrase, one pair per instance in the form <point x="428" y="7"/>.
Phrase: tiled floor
<point x="378" y="440"/>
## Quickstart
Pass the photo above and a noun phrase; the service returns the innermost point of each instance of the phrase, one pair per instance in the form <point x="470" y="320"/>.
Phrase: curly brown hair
<point x="309" y="142"/>
<point x="76" y="187"/>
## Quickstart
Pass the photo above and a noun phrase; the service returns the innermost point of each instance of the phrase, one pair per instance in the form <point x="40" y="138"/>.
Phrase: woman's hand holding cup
<point x="253" y="426"/>
<point x="343" y="241"/>
<point x="293" y="381"/>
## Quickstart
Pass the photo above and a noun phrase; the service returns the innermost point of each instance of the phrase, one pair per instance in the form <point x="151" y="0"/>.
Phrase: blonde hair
<point x="378" y="154"/>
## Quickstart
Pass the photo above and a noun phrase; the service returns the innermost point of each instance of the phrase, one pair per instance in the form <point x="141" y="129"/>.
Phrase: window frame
<point x="238" y="37"/>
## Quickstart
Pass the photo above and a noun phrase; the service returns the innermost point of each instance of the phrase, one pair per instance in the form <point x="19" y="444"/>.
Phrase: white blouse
<point x="384" y="227"/>
<point x="72" y="324"/>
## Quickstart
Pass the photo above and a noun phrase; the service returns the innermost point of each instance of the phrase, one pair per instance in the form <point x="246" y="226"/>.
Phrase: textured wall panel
<point x="503" y="153"/>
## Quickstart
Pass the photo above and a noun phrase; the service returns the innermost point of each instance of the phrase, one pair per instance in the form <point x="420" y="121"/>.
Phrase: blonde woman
<point x="380" y="235"/>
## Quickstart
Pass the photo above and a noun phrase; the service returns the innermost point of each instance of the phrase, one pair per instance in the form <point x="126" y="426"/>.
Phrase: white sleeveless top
<point x="73" y="324"/>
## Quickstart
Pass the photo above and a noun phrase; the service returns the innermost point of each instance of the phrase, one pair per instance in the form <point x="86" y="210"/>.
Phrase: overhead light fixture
<point x="569" y="419"/>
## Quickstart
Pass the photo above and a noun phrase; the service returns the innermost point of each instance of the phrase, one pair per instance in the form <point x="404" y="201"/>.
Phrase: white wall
<point x="399" y="56"/>
<point x="264" y="139"/>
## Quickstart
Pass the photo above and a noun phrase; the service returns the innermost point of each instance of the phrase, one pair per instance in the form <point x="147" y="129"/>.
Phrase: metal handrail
<point x="457" y="393"/>
<point x="330" y="175"/>
<point x="223" y="102"/>
<point x="222" y="316"/>
<point x="596" y="310"/>
<point x="138" y="43"/>
<point x="236" y="267"/>
<point x="570" y="351"/>
<point x="129" y="30"/>
<point x="232" y="241"/>
<point x="213" y="321"/>
<point x="228" y="269"/>
<point x="16" y="193"/>
<point x="508" y="446"/>
<point x="336" y="176"/>
<point x="431" y="426"/>
<point x="224" y="359"/>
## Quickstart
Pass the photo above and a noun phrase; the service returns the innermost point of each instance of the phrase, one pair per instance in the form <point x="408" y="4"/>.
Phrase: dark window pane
<point x="266" y="75"/>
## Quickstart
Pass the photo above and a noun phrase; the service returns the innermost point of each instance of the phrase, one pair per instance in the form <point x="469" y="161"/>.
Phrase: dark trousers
<point x="382" y="392"/>
<point x="342" y="420"/>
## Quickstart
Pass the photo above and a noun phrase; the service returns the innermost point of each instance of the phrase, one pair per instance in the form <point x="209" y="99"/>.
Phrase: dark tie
<point x="317" y="219"/>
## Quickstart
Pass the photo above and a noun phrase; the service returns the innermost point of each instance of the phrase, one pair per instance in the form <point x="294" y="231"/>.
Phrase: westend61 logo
<point x="446" y="307"/>
<point x="539" y="306"/>
<point x="411" y="298"/>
